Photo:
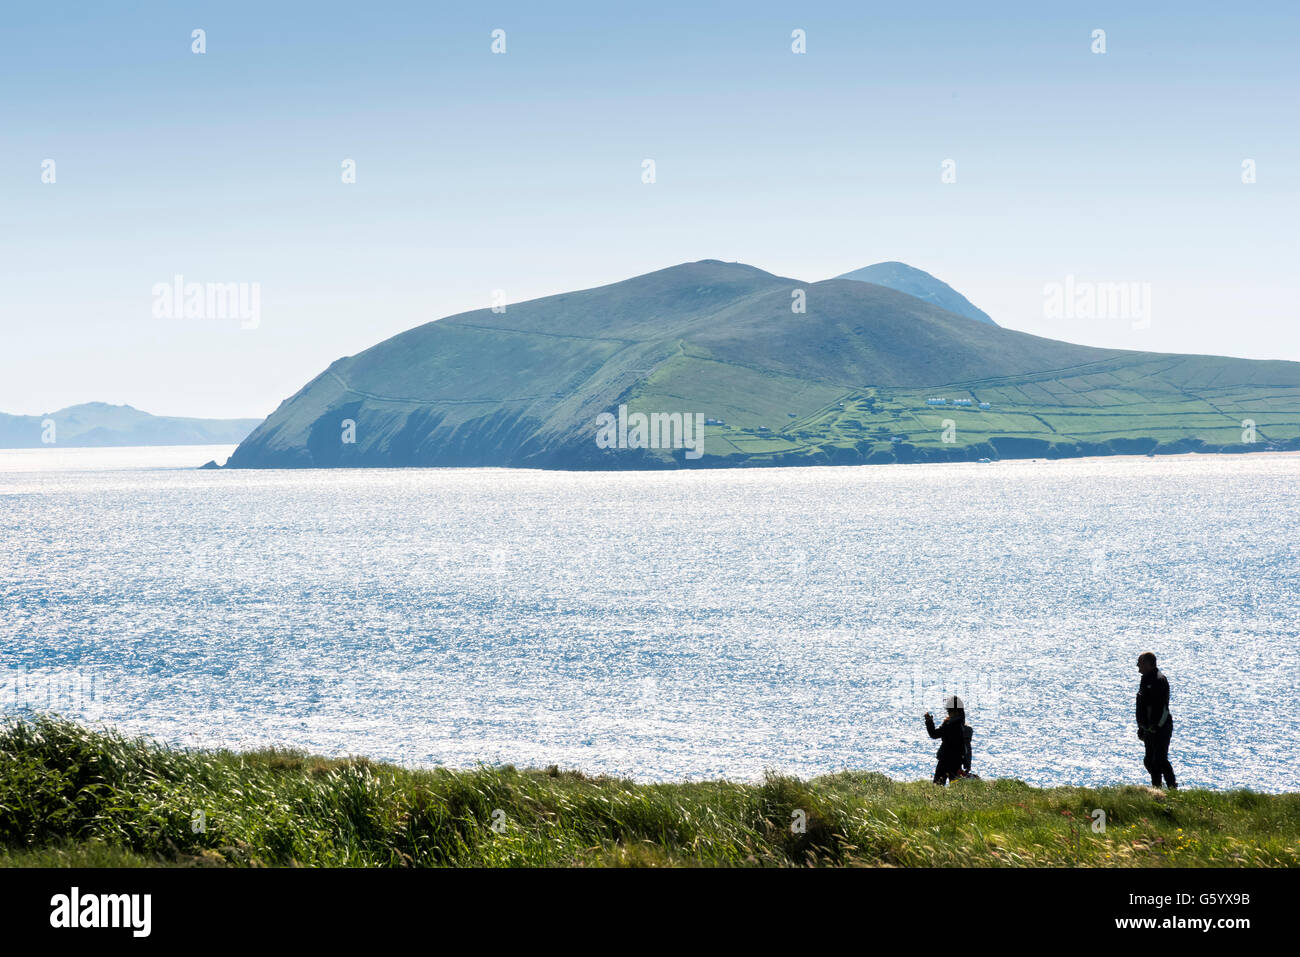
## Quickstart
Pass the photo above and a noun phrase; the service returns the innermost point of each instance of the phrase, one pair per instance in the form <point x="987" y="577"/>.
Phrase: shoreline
<point x="173" y="458"/>
<point x="752" y="466"/>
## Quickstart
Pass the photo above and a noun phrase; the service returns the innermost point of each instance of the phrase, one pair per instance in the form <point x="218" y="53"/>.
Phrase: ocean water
<point x="664" y="625"/>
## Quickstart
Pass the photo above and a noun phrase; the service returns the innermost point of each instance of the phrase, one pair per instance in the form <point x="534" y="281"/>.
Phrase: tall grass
<point x="73" y="795"/>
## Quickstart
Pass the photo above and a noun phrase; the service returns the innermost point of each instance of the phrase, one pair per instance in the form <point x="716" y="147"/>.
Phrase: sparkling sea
<point x="666" y="625"/>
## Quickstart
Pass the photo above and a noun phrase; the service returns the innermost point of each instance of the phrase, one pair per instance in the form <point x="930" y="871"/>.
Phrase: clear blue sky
<point x="522" y="171"/>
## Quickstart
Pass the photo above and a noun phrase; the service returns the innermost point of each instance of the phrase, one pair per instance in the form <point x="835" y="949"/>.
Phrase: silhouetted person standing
<point x="1155" y="724"/>
<point x="955" y="734"/>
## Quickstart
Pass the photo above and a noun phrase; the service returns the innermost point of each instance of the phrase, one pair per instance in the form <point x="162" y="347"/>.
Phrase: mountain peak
<point x="922" y="285"/>
<point x="711" y="267"/>
<point x="96" y="407"/>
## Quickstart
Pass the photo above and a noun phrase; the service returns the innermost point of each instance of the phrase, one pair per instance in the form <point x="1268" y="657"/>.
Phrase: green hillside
<point x="846" y="381"/>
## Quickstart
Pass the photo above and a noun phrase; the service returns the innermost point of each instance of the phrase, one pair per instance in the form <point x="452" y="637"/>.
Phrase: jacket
<point x="1153" y="702"/>
<point x="954" y="749"/>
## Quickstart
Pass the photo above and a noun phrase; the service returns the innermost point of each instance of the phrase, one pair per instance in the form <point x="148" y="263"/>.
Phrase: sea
<point x="660" y="626"/>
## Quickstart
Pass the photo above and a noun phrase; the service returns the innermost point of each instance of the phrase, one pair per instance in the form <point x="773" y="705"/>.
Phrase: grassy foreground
<point x="71" y="796"/>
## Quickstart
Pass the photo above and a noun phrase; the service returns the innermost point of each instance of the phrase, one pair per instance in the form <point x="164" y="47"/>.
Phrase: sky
<point x="522" y="171"/>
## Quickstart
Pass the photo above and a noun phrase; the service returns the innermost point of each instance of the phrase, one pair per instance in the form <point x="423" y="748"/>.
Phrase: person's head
<point x="1147" y="662"/>
<point x="955" y="707"/>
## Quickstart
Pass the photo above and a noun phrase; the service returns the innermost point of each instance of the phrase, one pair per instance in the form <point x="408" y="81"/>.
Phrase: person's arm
<point x="1153" y="700"/>
<point x="930" y="729"/>
<point x="966" y="757"/>
<point x="1160" y="702"/>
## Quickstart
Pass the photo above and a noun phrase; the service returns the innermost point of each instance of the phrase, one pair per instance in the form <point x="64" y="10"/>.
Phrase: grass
<point x="1130" y="405"/>
<point x="75" y="796"/>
